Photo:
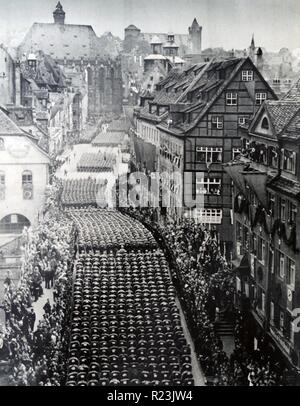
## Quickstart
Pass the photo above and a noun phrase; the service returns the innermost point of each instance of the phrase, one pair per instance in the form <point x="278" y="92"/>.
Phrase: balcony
<point x="259" y="159"/>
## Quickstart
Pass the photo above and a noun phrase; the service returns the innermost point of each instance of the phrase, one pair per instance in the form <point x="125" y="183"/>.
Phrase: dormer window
<point x="222" y="74"/>
<point x="265" y="124"/>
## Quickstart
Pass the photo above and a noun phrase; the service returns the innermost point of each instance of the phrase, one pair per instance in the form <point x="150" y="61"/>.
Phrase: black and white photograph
<point x="150" y="196"/>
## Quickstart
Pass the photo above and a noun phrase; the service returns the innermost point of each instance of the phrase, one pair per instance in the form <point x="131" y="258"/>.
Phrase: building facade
<point x="204" y="106"/>
<point x="7" y="77"/>
<point x="190" y="43"/>
<point x="266" y="221"/>
<point x="24" y="172"/>
<point x="77" y="47"/>
<point x="148" y="57"/>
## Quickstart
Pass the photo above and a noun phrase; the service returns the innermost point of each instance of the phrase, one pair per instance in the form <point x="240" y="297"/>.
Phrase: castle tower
<point x="131" y="38"/>
<point x="195" y="36"/>
<point x="59" y="14"/>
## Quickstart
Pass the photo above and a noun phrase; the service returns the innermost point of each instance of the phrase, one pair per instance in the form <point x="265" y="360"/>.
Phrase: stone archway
<point x="13" y="224"/>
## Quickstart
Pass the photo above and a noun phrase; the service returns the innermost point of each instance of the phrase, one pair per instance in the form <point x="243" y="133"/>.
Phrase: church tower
<point x="59" y="14"/>
<point x="252" y="49"/>
<point x="195" y="37"/>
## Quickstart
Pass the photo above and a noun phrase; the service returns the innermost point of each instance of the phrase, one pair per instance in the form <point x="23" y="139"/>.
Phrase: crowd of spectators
<point x="34" y="349"/>
<point x="205" y="284"/>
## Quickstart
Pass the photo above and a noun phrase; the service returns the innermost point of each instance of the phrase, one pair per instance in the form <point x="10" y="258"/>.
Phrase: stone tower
<point x="132" y="36"/>
<point x="59" y="14"/>
<point x="195" y="37"/>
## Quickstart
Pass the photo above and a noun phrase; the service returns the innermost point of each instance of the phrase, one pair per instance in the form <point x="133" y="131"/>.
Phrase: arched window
<point x="27" y="178"/>
<point x="265" y="124"/>
<point x="1" y="144"/>
<point x="13" y="224"/>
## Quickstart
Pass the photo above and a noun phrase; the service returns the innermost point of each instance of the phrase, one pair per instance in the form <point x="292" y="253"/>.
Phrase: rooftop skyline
<point x="226" y="23"/>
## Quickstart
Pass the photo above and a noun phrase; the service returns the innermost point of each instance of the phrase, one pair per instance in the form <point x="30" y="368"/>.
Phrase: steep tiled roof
<point x="198" y="87"/>
<point x="219" y="85"/>
<point x="176" y="83"/>
<point x="293" y="129"/>
<point x="47" y="73"/>
<point x="294" y="93"/>
<point x="180" y="39"/>
<point x="7" y="126"/>
<point x="281" y="113"/>
<point x="62" y="41"/>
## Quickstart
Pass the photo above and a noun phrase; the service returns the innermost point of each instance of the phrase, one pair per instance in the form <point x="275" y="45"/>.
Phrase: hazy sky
<point x="227" y="23"/>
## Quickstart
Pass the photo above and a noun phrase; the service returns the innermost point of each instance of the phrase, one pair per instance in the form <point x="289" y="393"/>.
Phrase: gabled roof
<point x="156" y="40"/>
<point x="294" y="93"/>
<point x="70" y="41"/>
<point x="7" y="126"/>
<point x="284" y="117"/>
<point x="281" y="113"/>
<point x="209" y="82"/>
<point x="222" y="86"/>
